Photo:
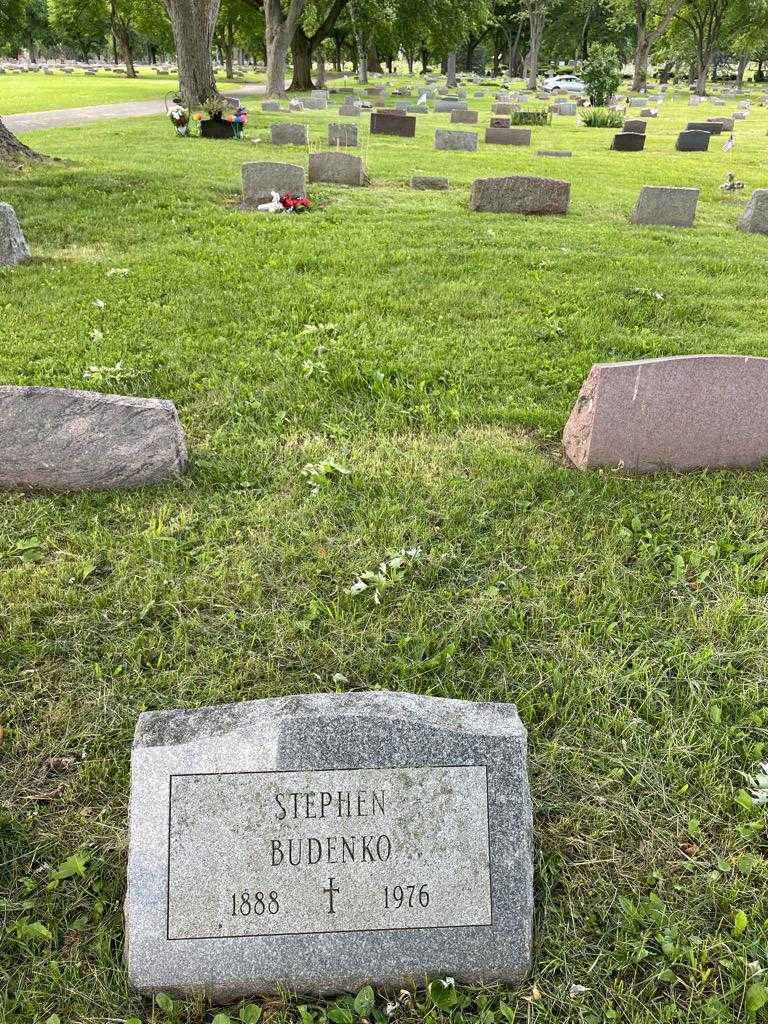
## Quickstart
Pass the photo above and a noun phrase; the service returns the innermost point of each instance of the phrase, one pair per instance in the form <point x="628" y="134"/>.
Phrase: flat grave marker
<point x="322" y="842"/>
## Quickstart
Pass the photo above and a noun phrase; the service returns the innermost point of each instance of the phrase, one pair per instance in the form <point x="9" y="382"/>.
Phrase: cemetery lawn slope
<point x="435" y="355"/>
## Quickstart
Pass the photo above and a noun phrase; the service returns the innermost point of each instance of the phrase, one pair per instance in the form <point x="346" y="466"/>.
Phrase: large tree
<point x="316" y="25"/>
<point x="704" y="21"/>
<point x="193" y="23"/>
<point x="12" y="150"/>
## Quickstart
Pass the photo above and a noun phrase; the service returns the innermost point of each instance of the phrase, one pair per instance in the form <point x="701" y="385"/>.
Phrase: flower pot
<point x="215" y="128"/>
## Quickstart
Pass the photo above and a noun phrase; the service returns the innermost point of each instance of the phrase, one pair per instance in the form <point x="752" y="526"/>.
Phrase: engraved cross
<point x="331" y="889"/>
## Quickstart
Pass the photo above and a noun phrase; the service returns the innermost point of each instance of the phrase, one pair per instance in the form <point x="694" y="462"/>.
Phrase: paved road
<point x="109" y="111"/>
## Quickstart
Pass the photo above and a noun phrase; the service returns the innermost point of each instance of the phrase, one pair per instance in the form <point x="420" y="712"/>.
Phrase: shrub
<point x="601" y="117"/>
<point x="602" y="73"/>
<point x="529" y="117"/>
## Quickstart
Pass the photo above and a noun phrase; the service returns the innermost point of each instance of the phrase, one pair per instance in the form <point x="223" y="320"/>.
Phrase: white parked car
<point x="565" y="83"/>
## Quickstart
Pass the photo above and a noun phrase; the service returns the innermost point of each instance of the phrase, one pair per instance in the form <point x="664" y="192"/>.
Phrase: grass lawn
<point x="436" y="354"/>
<point x="26" y="93"/>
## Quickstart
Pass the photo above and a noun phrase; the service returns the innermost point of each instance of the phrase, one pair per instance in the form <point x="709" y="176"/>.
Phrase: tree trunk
<point x="642" y="54"/>
<point x="301" y="48"/>
<point x="360" y="45"/>
<point x="536" y="19"/>
<point x="584" y="41"/>
<point x="121" y="36"/>
<point x="424" y="62"/>
<point x="452" y="82"/>
<point x="742" y="67"/>
<point x="193" y="22"/>
<point x="229" y="51"/>
<point x="12" y="151"/>
<point x="320" y="69"/>
<point x="374" y="64"/>
<point x="409" y="58"/>
<point x="389" y="65"/>
<point x="280" y="30"/>
<point x="514" y="49"/>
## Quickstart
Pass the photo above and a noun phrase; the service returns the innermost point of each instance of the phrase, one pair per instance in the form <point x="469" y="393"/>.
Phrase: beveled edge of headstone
<point x="20" y="250"/>
<point x="169" y="728"/>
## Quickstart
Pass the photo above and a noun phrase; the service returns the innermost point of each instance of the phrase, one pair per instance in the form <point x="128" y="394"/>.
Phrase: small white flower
<point x="577" y="990"/>
<point x="99" y="303"/>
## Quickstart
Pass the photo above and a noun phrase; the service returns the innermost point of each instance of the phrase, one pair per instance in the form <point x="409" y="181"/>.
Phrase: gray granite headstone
<point x="262" y="178"/>
<point x="554" y="152"/>
<point x="711" y="126"/>
<point x="693" y="142"/>
<point x="270" y="106"/>
<point x="628" y="142"/>
<point x="678" y="413"/>
<point x="520" y="194"/>
<point x="399" y="124"/>
<point x="290" y="134"/>
<point x="342" y="134"/>
<point x="465" y="141"/>
<point x="508" y="136"/>
<point x="336" y="168"/>
<point x="636" y="125"/>
<point x="323" y="842"/>
<point x="754" y="220"/>
<point x="665" y="205"/>
<point x="55" y="439"/>
<point x="13" y="245"/>
<point x="464" y="117"/>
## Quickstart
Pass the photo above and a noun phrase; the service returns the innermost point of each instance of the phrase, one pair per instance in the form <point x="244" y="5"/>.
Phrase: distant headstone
<point x="520" y="194"/>
<point x="464" y="117"/>
<point x="349" y="111"/>
<point x="466" y="141"/>
<point x="667" y="206"/>
<point x="336" y="168"/>
<point x="726" y="122"/>
<point x="499" y="122"/>
<point x="628" y="142"/>
<point x="295" y="106"/>
<point x="262" y="178"/>
<point x="693" y="142"/>
<point x="446" y="105"/>
<point x="270" y="106"/>
<point x="13" y="245"/>
<point x="649" y="112"/>
<point x="638" y="101"/>
<point x="316" y="102"/>
<point x="754" y="220"/>
<point x="321" y="842"/>
<point x="393" y="124"/>
<point x="429" y="183"/>
<point x="695" y="101"/>
<point x="554" y="152"/>
<point x="713" y="127"/>
<point x="342" y="134"/>
<point x="508" y="136"/>
<point x="290" y="134"/>
<point x="54" y="439"/>
<point x="501" y="108"/>
<point x="676" y="413"/>
<point x="635" y="126"/>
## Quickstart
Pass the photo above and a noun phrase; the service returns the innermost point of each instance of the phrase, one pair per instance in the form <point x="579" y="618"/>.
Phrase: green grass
<point x="27" y="93"/>
<point x="436" y="354"/>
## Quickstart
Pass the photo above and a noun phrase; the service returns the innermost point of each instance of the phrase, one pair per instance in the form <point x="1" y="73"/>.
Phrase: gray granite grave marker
<point x="520" y="194"/>
<point x="665" y="205"/>
<point x="693" y="142"/>
<point x="55" y="439"/>
<point x="290" y="134"/>
<point x="13" y="245"/>
<point x="322" y="842"/>
<point x="262" y="178"/>
<point x="393" y="124"/>
<point x="466" y="141"/>
<point x="342" y="134"/>
<point x="508" y="136"/>
<point x="336" y="168"/>
<point x="754" y="220"/>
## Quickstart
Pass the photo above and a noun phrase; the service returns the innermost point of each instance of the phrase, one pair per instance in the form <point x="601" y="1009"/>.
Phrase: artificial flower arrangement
<point x="179" y="116"/>
<point x="219" y="124"/>
<point x="285" y="203"/>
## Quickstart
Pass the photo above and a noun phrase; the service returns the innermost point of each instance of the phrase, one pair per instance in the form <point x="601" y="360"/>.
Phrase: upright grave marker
<point x="55" y="439"/>
<point x="322" y="842"/>
<point x="678" y="413"/>
<point x="13" y="245"/>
